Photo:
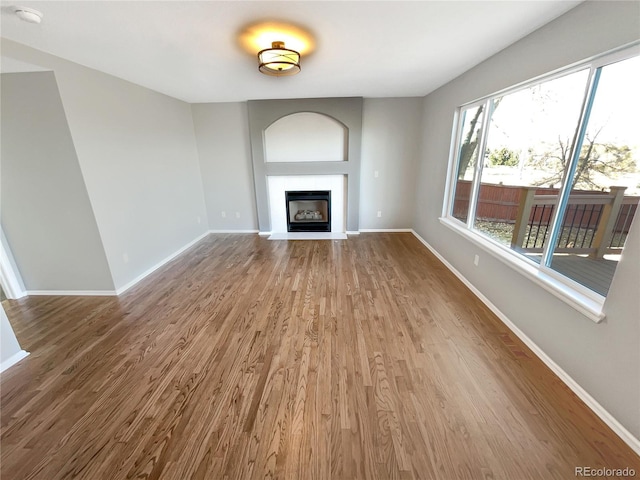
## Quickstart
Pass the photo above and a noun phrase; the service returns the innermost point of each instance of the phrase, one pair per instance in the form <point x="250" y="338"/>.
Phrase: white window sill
<point x="590" y="304"/>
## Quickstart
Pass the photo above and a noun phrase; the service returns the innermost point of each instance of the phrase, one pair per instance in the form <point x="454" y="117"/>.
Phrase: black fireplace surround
<point x="308" y="211"/>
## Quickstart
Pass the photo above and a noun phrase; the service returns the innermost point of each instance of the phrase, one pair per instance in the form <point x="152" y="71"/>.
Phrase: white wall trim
<point x="77" y="293"/>
<point x="348" y="232"/>
<point x="148" y="272"/>
<point x="10" y="279"/>
<point x="13" y="359"/>
<point x="265" y="234"/>
<point x="385" y="230"/>
<point x="237" y="231"/>
<point x="9" y="284"/>
<point x="592" y="403"/>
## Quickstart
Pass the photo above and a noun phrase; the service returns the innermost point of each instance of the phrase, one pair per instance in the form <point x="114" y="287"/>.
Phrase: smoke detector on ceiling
<point x="27" y="14"/>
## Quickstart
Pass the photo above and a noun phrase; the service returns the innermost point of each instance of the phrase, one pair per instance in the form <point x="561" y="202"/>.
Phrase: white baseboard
<point x="73" y="293"/>
<point x="591" y="402"/>
<point x="264" y="234"/>
<point x="385" y="230"/>
<point x="235" y="231"/>
<point x="352" y="233"/>
<point x="12" y="360"/>
<point x="148" y="272"/>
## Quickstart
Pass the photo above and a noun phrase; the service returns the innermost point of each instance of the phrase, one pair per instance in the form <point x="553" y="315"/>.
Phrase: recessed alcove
<point x="306" y="137"/>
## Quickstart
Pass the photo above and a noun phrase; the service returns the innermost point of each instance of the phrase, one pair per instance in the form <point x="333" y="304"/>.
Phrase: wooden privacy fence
<point x="496" y="203"/>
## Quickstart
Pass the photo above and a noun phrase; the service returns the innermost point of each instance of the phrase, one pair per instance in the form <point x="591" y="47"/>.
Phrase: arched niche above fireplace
<point x="306" y="137"/>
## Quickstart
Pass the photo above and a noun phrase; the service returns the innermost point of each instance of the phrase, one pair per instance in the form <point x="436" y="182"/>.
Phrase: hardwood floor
<point x="247" y="358"/>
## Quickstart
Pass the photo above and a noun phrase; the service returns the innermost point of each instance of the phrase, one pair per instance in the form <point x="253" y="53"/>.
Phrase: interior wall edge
<point x="122" y="289"/>
<point x="13" y="359"/>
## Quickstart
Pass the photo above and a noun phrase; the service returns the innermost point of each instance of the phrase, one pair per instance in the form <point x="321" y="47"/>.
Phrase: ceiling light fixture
<point x="27" y="14"/>
<point x="278" y="61"/>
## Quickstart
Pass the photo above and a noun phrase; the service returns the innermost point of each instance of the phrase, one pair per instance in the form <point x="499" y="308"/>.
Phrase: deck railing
<point x="594" y="223"/>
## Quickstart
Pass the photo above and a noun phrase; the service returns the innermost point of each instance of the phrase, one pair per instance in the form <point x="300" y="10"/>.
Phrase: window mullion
<point x="576" y="147"/>
<point x="475" y="188"/>
<point x="451" y="179"/>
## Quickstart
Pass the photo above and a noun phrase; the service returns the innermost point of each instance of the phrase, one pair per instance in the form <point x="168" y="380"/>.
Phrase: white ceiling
<point x="190" y="50"/>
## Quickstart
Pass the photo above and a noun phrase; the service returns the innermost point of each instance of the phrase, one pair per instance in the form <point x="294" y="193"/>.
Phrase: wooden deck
<point x="246" y="358"/>
<point x="595" y="274"/>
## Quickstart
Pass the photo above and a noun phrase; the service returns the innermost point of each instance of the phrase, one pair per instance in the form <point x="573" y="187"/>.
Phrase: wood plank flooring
<point x="253" y="359"/>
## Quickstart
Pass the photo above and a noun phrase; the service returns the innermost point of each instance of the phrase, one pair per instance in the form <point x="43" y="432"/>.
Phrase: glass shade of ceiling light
<point x="278" y="61"/>
<point x="27" y="14"/>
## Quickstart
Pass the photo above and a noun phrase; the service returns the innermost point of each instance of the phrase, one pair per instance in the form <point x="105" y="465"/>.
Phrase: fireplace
<point x="308" y="211"/>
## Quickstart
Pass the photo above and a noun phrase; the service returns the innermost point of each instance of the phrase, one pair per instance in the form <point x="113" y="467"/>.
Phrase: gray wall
<point x="603" y="358"/>
<point x="46" y="214"/>
<point x="137" y="153"/>
<point x="222" y="135"/>
<point x="390" y="145"/>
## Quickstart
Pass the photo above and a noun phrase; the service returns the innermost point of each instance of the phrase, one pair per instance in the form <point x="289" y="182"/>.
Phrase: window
<point x="547" y="175"/>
